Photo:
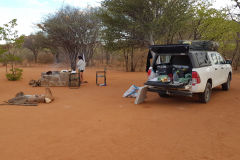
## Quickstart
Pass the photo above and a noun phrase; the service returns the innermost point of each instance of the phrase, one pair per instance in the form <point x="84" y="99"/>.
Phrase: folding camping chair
<point x="74" y="80"/>
<point x="101" y="74"/>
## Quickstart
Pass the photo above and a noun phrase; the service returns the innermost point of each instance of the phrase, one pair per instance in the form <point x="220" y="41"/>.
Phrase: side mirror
<point x="228" y="61"/>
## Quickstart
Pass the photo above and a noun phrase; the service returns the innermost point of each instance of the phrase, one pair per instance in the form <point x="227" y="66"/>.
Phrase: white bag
<point x="132" y="92"/>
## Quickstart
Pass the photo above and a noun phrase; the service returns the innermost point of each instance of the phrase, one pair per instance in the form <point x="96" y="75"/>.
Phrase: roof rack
<point x="184" y="47"/>
<point x="171" y="48"/>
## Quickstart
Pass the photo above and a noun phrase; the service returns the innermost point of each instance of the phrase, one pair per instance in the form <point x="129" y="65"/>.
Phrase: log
<point x="48" y="94"/>
<point x="20" y="98"/>
<point x="33" y="104"/>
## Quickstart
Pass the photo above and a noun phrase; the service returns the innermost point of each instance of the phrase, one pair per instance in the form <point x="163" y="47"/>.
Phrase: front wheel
<point x="205" y="96"/>
<point x="226" y="86"/>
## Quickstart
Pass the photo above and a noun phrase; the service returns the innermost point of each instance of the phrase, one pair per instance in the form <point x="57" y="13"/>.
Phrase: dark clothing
<point x="148" y="60"/>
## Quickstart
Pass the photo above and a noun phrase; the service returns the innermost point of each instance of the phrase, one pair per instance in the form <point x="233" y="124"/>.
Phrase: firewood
<point x="27" y="104"/>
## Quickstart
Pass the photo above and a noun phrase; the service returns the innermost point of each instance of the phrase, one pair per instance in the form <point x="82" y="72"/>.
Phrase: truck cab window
<point x="214" y="58"/>
<point x="220" y="59"/>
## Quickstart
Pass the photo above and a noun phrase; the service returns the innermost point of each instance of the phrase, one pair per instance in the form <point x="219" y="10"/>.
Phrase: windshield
<point x="183" y="60"/>
<point x="163" y="59"/>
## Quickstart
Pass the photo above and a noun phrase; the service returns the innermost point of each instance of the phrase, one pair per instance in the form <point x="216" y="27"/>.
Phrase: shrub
<point x="15" y="74"/>
<point x="45" y="57"/>
<point x="26" y="55"/>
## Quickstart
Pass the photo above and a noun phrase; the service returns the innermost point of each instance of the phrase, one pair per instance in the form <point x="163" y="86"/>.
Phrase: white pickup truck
<point x="182" y="70"/>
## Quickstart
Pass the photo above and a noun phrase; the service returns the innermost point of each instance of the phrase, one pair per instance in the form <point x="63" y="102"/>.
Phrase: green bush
<point x="14" y="74"/>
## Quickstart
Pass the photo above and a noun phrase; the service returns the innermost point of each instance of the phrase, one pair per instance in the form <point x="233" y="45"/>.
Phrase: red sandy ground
<point x="96" y="123"/>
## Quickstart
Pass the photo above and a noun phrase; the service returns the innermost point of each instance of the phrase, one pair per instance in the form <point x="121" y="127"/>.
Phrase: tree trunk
<point x="151" y="41"/>
<point x="89" y="54"/>
<point x="237" y="63"/>
<point x="126" y="59"/>
<point x="73" y="60"/>
<point x="92" y="62"/>
<point x="236" y="51"/>
<point x="57" y="57"/>
<point x="73" y="65"/>
<point x="168" y="38"/>
<point x="35" y="56"/>
<point x="135" y="65"/>
<point x="224" y="49"/>
<point x="172" y="38"/>
<point x="180" y="36"/>
<point x="12" y="67"/>
<point x="195" y="34"/>
<point x="102" y="55"/>
<point x="132" y="69"/>
<point x="107" y="57"/>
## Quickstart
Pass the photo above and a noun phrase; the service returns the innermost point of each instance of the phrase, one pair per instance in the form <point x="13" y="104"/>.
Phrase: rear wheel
<point x="206" y="95"/>
<point x="226" y="86"/>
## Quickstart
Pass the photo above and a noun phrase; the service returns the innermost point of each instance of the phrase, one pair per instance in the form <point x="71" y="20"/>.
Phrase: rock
<point x="44" y="83"/>
<point x="55" y="79"/>
<point x="64" y="77"/>
<point x="47" y="100"/>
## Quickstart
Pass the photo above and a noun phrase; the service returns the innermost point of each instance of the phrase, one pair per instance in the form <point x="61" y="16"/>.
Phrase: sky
<point x="30" y="12"/>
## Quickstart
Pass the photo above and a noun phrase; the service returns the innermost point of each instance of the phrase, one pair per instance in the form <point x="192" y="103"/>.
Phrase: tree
<point x="73" y="30"/>
<point x="236" y="18"/>
<point x="53" y="47"/>
<point x="235" y="29"/>
<point x="34" y="42"/>
<point x="131" y="24"/>
<point x="7" y="51"/>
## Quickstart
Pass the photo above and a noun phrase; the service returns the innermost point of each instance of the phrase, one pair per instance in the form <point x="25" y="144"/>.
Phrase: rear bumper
<point x="164" y="85"/>
<point x="171" y="91"/>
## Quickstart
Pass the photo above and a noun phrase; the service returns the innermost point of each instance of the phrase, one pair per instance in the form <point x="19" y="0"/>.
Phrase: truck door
<point x="223" y="69"/>
<point x="215" y="69"/>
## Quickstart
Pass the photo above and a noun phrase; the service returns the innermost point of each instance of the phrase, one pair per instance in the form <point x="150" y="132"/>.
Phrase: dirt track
<point x="95" y="123"/>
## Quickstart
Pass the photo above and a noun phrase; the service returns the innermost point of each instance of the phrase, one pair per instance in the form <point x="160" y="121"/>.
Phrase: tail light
<point x="170" y="76"/>
<point x="195" y="78"/>
<point x="149" y="71"/>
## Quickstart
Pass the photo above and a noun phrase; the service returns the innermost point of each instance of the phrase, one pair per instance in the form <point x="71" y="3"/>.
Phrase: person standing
<point x="81" y="67"/>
